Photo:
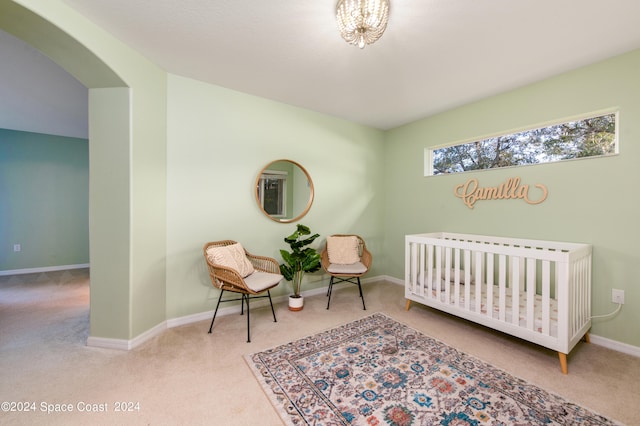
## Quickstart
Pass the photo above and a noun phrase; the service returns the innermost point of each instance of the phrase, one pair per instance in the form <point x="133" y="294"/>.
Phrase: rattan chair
<point x="346" y="272"/>
<point x="265" y="276"/>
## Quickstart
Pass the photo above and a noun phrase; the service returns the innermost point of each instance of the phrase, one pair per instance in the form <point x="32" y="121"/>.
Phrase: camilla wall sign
<point x="470" y="192"/>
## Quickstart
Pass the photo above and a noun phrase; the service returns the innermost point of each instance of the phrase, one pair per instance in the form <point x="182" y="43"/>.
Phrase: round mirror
<point x="284" y="191"/>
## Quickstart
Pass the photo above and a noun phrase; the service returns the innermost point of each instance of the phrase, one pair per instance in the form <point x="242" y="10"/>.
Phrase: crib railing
<point x="476" y="277"/>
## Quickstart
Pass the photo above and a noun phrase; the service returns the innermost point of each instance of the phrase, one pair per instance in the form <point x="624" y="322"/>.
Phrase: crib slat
<point x="580" y="319"/>
<point x="546" y="296"/>
<point x="417" y="266"/>
<point x="455" y="253"/>
<point x="585" y="266"/>
<point x="421" y="266"/>
<point x="477" y="280"/>
<point x="585" y="269"/>
<point x="490" y="285"/>
<point x="515" y="290"/>
<point x="575" y="297"/>
<point x="438" y="265"/>
<point x="414" y="269"/>
<point x="562" y="296"/>
<point x="531" y="293"/>
<point x="502" y="283"/>
<point x="430" y="279"/>
<point x="522" y="272"/>
<point x="467" y="280"/>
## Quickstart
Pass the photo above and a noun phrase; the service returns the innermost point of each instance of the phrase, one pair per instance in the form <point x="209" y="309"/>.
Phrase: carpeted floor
<point x="376" y="371"/>
<point x="186" y="376"/>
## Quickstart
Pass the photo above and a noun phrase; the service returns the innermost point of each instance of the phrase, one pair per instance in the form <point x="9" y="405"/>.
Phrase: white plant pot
<point x="296" y="303"/>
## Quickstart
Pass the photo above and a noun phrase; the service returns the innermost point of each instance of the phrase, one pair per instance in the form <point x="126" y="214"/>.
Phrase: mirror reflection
<point x="284" y="191"/>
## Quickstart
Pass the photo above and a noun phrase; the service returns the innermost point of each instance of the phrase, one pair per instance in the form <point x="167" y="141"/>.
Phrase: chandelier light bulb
<point x="362" y="22"/>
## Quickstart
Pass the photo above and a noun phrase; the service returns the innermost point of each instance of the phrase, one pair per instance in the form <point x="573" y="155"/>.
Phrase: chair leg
<point x="349" y="280"/>
<point x="361" y="295"/>
<point x="329" y="291"/>
<point x="244" y="299"/>
<point x="248" y="324"/>
<point x="272" y="311"/>
<point x="216" y="311"/>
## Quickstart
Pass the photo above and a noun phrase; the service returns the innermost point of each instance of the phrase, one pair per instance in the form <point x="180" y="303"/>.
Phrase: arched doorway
<point x="109" y="111"/>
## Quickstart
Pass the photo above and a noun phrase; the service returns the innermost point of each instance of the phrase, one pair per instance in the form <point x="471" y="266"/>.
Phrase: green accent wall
<point x="590" y="200"/>
<point x="44" y="200"/>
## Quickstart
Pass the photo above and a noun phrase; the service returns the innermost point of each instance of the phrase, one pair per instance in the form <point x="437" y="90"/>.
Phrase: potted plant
<point x="298" y="261"/>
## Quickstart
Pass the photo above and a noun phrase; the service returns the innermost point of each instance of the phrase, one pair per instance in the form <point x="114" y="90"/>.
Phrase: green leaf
<point x="300" y="259"/>
<point x="286" y="272"/>
<point x="303" y="230"/>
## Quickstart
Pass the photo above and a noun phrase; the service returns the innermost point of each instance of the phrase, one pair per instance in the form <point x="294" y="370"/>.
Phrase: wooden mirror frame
<point x="257" y="193"/>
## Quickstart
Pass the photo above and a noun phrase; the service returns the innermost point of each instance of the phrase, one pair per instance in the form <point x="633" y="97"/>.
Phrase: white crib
<point x="479" y="277"/>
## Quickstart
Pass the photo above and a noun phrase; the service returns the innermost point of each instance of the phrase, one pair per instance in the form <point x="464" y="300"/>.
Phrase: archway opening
<point x="109" y="137"/>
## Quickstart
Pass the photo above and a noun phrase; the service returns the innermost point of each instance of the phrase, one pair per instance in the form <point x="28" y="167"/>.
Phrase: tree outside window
<point x="589" y="137"/>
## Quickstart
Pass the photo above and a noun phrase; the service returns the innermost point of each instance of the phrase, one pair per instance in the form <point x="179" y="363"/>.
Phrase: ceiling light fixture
<point x="362" y="22"/>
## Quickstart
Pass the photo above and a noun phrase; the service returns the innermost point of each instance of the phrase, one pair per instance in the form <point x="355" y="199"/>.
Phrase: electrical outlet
<point x="617" y="296"/>
<point x="17" y="247"/>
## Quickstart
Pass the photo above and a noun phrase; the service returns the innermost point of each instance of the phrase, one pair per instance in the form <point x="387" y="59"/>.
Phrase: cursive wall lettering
<point x="470" y="192"/>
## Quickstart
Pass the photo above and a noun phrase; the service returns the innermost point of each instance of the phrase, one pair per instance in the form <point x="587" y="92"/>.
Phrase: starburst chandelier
<point x="362" y="22"/>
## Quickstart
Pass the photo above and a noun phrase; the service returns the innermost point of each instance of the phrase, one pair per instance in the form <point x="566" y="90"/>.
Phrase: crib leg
<point x="408" y="305"/>
<point x="587" y="338"/>
<point x="563" y="363"/>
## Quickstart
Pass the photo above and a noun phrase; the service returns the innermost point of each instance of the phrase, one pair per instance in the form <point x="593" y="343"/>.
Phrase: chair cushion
<point x="259" y="281"/>
<point x="343" y="250"/>
<point x="231" y="256"/>
<point x="354" y="268"/>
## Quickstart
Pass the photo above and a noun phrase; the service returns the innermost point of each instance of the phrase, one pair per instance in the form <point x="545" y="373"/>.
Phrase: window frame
<point x="281" y="176"/>
<point x="429" y="155"/>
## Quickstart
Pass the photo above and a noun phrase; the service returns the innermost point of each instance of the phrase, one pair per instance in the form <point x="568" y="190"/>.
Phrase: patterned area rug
<point x="376" y="371"/>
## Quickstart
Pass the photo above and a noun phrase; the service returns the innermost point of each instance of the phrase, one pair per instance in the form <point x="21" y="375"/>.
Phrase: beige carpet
<point x="186" y="376"/>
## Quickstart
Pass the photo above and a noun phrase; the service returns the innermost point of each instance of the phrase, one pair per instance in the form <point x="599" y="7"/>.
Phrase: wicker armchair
<point x="264" y="274"/>
<point x="347" y="267"/>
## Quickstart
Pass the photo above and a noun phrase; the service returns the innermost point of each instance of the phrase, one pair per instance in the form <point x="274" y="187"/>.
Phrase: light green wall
<point x="218" y="142"/>
<point x="44" y="206"/>
<point x="591" y="200"/>
<point x="110" y="194"/>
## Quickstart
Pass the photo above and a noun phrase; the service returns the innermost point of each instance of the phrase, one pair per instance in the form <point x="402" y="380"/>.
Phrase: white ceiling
<point x="435" y="54"/>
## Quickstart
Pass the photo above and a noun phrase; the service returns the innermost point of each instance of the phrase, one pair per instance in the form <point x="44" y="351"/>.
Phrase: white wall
<point x="37" y="95"/>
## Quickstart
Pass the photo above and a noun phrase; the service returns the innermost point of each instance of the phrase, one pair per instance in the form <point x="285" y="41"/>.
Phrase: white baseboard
<point x="615" y="345"/>
<point x="229" y="310"/>
<point x="122" y="344"/>
<point x="43" y="269"/>
<point x="392" y="280"/>
<point x="596" y="340"/>
<point x="107" y="343"/>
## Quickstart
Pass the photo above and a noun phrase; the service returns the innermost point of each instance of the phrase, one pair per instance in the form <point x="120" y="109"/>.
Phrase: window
<point x="272" y="190"/>
<point x="587" y="137"/>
